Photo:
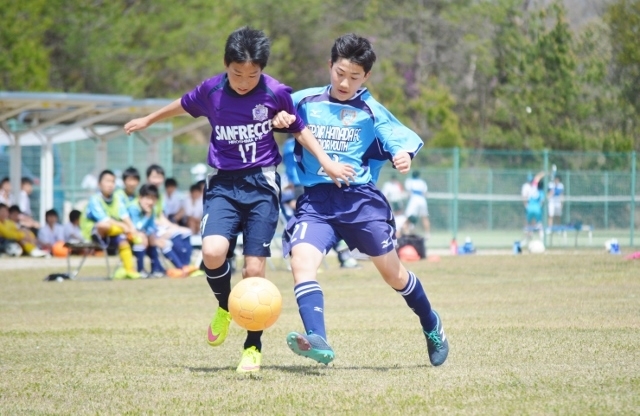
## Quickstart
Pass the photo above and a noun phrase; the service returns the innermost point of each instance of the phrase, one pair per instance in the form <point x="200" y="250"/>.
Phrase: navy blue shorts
<point x="243" y="201"/>
<point x="358" y="214"/>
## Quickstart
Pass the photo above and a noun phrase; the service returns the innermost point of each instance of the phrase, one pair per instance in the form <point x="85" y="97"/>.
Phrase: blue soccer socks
<point x="170" y="253"/>
<point x="139" y="252"/>
<point x="416" y="298"/>
<point x="311" y="307"/>
<point x="220" y="283"/>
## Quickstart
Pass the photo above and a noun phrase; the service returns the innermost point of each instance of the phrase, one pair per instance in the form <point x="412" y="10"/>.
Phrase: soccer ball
<point x="13" y="249"/>
<point x="255" y="303"/>
<point x="536" y="247"/>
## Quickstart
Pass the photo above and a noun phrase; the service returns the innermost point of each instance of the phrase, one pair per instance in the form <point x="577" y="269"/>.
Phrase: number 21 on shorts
<point x="302" y="227"/>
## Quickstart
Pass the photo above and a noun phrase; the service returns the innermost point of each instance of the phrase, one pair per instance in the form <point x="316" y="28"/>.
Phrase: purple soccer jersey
<point x="242" y="135"/>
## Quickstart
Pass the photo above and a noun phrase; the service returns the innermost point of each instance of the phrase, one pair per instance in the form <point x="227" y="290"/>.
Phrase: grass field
<point x="548" y="334"/>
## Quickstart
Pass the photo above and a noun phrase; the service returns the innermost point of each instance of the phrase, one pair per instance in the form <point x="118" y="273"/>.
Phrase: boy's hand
<point x="402" y="162"/>
<point x="282" y="120"/>
<point x="136" y="124"/>
<point x="339" y="172"/>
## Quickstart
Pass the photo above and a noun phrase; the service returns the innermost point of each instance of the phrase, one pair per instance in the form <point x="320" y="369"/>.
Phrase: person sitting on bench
<point x="107" y="221"/>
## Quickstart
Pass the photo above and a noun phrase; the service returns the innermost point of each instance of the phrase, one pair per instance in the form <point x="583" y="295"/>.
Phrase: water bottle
<point x="516" y="248"/>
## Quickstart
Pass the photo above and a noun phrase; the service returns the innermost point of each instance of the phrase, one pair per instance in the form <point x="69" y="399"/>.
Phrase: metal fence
<point x="474" y="193"/>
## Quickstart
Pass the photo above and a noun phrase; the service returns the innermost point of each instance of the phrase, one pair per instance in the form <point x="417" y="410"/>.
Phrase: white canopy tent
<point x="59" y="117"/>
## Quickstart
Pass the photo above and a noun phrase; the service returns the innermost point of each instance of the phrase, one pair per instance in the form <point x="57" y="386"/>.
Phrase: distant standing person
<point x="26" y="216"/>
<point x="417" y="205"/>
<point x="556" y="197"/>
<point x="392" y="190"/>
<point x="533" y="200"/>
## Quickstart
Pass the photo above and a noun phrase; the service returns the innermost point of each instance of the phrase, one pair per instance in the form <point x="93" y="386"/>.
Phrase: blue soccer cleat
<point x="311" y="346"/>
<point x="437" y="343"/>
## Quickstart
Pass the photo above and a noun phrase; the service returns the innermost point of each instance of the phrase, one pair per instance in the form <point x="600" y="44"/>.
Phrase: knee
<point x="252" y="271"/>
<point x="213" y="256"/>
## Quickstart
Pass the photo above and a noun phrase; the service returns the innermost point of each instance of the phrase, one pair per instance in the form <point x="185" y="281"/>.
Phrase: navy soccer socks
<point x="220" y="283"/>
<point x="416" y="299"/>
<point x="311" y="307"/>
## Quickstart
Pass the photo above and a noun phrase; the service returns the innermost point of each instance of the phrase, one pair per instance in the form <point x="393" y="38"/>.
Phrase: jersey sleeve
<point x="393" y="135"/>
<point x="95" y="210"/>
<point x="194" y="102"/>
<point x="285" y="103"/>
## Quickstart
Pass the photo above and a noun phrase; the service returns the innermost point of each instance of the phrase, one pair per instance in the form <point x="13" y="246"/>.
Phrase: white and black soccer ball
<point x="536" y="247"/>
<point x="13" y="249"/>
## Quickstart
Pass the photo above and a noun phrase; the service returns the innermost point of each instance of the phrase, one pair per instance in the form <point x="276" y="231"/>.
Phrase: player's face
<point x="147" y="203"/>
<point x="243" y="77"/>
<point x="4" y="213"/>
<point x="346" y="79"/>
<point x="156" y="179"/>
<point x="108" y="185"/>
<point x="130" y="185"/>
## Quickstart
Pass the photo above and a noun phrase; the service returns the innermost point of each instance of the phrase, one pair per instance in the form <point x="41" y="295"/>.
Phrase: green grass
<point x="548" y="334"/>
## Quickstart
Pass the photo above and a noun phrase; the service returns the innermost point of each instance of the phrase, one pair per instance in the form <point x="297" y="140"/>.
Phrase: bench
<point x="564" y="229"/>
<point x="87" y="248"/>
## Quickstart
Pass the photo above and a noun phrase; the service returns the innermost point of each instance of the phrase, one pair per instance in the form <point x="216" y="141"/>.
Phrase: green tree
<point x="623" y="18"/>
<point x="24" y="59"/>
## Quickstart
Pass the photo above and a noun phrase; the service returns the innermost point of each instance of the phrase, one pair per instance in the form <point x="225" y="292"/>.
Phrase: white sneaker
<point x="36" y="252"/>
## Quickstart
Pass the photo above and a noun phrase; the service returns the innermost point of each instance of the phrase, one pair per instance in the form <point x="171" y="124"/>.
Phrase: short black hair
<point x="25" y="180"/>
<point x="155" y="168"/>
<point x="170" y="182"/>
<point x="3" y="205"/>
<point x="247" y="45"/>
<point x="74" y="215"/>
<point x="14" y="208"/>
<point x="195" y="187"/>
<point x="130" y="172"/>
<point x="149" y="190"/>
<point x="354" y="48"/>
<point x="51" y="213"/>
<point x="105" y="173"/>
<point x="5" y="179"/>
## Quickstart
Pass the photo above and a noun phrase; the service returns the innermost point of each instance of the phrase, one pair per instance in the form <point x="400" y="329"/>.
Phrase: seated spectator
<point x="52" y="232"/>
<point x="130" y="182"/>
<point x="5" y="192"/>
<point x="26" y="216"/>
<point x="107" y="220"/>
<point x="72" y="232"/>
<point x="10" y="231"/>
<point x="167" y="232"/>
<point x="193" y="208"/>
<point x="143" y="218"/>
<point x="173" y="202"/>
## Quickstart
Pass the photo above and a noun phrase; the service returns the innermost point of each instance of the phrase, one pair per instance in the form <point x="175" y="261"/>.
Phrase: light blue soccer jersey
<point x="359" y="132"/>
<point x="142" y="222"/>
<point x="98" y="209"/>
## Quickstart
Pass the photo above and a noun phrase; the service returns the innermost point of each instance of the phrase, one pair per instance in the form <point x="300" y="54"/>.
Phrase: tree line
<point x="495" y="74"/>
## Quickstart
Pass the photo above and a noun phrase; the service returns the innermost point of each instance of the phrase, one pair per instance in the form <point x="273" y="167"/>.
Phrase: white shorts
<point x="417" y="207"/>
<point x="555" y="209"/>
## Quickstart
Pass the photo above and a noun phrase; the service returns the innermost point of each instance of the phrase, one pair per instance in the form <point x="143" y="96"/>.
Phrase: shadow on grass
<point x="319" y="370"/>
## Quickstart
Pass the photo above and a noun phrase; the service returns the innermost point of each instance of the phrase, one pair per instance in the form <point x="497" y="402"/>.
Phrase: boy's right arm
<point x="168" y="111"/>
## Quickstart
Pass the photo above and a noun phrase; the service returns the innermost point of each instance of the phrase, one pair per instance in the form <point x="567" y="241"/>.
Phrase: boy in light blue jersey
<point x="353" y="128"/>
<point x="141" y="212"/>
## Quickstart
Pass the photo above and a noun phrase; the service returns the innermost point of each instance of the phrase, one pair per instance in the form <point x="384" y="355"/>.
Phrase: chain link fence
<point x="472" y="193"/>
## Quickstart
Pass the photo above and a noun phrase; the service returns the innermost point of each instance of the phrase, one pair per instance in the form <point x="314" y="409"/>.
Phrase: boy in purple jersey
<point x="242" y="194"/>
<point x="356" y="128"/>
